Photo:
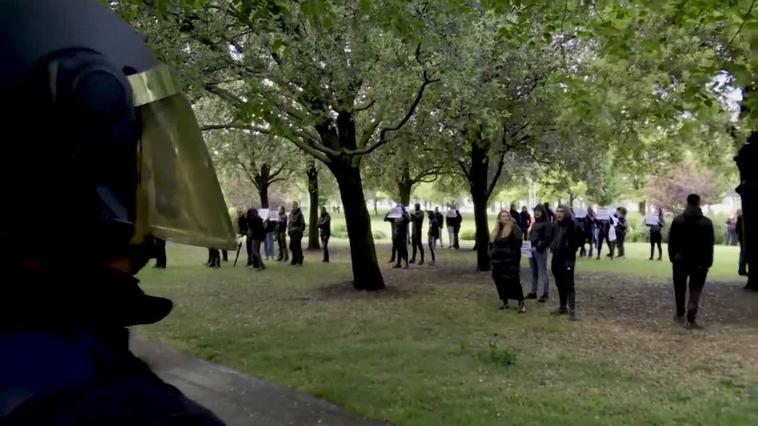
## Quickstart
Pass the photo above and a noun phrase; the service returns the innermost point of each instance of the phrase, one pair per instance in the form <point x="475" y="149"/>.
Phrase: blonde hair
<point x="501" y="230"/>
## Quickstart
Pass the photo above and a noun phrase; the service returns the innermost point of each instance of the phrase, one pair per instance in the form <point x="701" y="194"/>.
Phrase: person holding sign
<point x="400" y="237"/>
<point x="655" y="223"/>
<point x="565" y="243"/>
<point x="505" y="257"/>
<point x="540" y="235"/>
<point x="605" y="231"/>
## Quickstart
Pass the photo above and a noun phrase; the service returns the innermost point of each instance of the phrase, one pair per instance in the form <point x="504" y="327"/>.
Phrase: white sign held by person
<point x="396" y="213"/>
<point x="526" y="248"/>
<point x="263" y="213"/>
<point x="452" y="213"/>
<point x="603" y="213"/>
<point x="273" y="216"/>
<point x="652" y="220"/>
<point x="580" y="213"/>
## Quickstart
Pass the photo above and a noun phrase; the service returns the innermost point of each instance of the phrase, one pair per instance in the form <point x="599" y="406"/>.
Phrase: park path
<point x="237" y="398"/>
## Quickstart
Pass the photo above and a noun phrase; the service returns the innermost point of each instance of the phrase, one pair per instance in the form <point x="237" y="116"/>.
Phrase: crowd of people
<point x="560" y="236"/>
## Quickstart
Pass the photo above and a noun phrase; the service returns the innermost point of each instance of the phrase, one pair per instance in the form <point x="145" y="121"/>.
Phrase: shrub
<point x="379" y="235"/>
<point x="468" y="235"/>
<point x="339" y="231"/>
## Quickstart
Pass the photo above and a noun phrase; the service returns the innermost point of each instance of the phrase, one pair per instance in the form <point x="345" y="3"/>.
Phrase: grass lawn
<point x="433" y="349"/>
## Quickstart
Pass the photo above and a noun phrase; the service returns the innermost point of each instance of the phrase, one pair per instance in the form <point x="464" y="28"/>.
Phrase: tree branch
<point x="499" y="171"/>
<point x="364" y="107"/>
<point x="464" y="169"/>
<point x="739" y="30"/>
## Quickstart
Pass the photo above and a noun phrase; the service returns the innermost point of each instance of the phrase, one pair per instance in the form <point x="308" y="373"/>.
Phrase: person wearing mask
<point x="505" y="257"/>
<point x="433" y="234"/>
<point x="256" y="234"/>
<point x="296" y="231"/>
<point x="85" y="110"/>
<point x="540" y="236"/>
<point x="588" y="229"/>
<point x="526" y="219"/>
<point x="440" y="222"/>
<point x="549" y="213"/>
<point x="281" y="236"/>
<point x="457" y="229"/>
<point x="417" y="221"/>
<point x="566" y="240"/>
<point x="656" y="234"/>
<point x="742" y="265"/>
<point x="400" y="237"/>
<point x="325" y="230"/>
<point x="691" y="255"/>
<point x="391" y="221"/>
<point x="621" y="228"/>
<point x="270" y="227"/>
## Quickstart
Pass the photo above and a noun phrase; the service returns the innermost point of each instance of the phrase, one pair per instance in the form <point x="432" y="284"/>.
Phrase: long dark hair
<point x="541" y="209"/>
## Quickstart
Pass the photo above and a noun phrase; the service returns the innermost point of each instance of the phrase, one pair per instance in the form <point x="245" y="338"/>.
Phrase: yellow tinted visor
<point x="179" y="196"/>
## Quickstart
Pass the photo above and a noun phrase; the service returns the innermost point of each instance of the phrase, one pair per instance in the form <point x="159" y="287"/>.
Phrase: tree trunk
<point x="313" y="241"/>
<point x="366" y="273"/>
<point x="405" y="187"/>
<point x="478" y="184"/>
<point x="642" y="206"/>
<point x="263" y="194"/>
<point x="376" y="208"/>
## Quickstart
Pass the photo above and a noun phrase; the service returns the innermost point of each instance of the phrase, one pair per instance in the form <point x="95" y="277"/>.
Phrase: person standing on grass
<point x="589" y="231"/>
<point x="440" y="222"/>
<point x="691" y="255"/>
<point x="417" y="219"/>
<point x="621" y="228"/>
<point x="400" y="237"/>
<point x="457" y="228"/>
<point x="656" y="234"/>
<point x="450" y="223"/>
<point x="281" y="236"/>
<point x="270" y="226"/>
<point x="603" y="234"/>
<point x="566" y="240"/>
<point x="433" y="234"/>
<point x="540" y="236"/>
<point x="256" y="233"/>
<point x="296" y="231"/>
<point x="391" y="221"/>
<point x="325" y="229"/>
<point x="214" y="258"/>
<point x="549" y="213"/>
<point x="505" y="256"/>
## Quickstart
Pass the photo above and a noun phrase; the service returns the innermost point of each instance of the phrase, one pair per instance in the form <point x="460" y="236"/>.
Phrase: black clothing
<point x="526" y="220"/>
<point x="400" y="238"/>
<point x="621" y="228"/>
<point x="325" y="228"/>
<point x="541" y="235"/>
<point x="603" y="229"/>
<point x="160" y="253"/>
<point x="691" y="239"/>
<point x="296" y="231"/>
<point x="242" y="224"/>
<point x="588" y="228"/>
<point x="281" y="238"/>
<point x="270" y="226"/>
<point x="656" y="237"/>
<point x="516" y="216"/>
<point x="566" y="240"/>
<point x="550" y="215"/>
<point x="214" y="258"/>
<point x="691" y="254"/>
<point x="417" y="219"/>
<point x="281" y="226"/>
<point x="505" y="257"/>
<point x="434" y="226"/>
<point x="255" y="230"/>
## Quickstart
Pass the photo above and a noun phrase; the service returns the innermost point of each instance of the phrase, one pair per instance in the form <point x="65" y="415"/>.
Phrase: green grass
<point x="433" y="350"/>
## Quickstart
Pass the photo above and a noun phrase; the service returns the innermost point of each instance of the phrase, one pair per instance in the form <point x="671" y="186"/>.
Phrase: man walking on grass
<point x="691" y="254"/>
<point x="566" y="239"/>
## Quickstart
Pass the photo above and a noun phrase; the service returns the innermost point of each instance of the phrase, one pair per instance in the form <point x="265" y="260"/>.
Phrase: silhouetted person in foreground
<point x="160" y="253"/>
<point x="75" y="124"/>
<point x="691" y="255"/>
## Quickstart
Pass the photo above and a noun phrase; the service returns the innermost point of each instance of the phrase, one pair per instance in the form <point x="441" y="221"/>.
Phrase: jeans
<point x="696" y="276"/>
<point x="451" y="236"/>
<point x="433" y="248"/>
<point x="269" y="245"/>
<point x="538" y="266"/>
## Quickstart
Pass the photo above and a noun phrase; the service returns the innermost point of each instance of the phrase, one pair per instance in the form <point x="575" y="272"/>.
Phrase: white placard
<point x="395" y="213"/>
<point x="263" y="213"/>
<point x="273" y="216"/>
<point x="603" y="213"/>
<point x="452" y="213"/>
<point x="526" y="248"/>
<point x="652" y="220"/>
<point x="580" y="213"/>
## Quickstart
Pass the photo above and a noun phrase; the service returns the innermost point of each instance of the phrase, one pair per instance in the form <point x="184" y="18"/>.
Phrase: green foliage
<point x="468" y="235"/>
<point x="497" y="356"/>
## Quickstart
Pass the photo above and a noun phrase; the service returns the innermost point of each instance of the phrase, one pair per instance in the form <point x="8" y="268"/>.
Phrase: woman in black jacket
<point x="505" y="257"/>
<point x="540" y="235"/>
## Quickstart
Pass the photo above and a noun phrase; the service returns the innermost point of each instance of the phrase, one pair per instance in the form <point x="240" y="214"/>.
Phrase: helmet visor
<point x="179" y="196"/>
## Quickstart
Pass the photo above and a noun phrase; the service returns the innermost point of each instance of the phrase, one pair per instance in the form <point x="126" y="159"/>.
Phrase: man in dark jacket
<point x="566" y="240"/>
<point x="691" y="254"/>
<point x="281" y="236"/>
<point x="458" y="220"/>
<point x="256" y="233"/>
<point x="417" y="219"/>
<point x="400" y="237"/>
<point x="549" y="213"/>
<point x="441" y="223"/>
<point x="621" y="228"/>
<point x="526" y="219"/>
<point x="325" y="229"/>
<point x="296" y="231"/>
<point x="516" y="217"/>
